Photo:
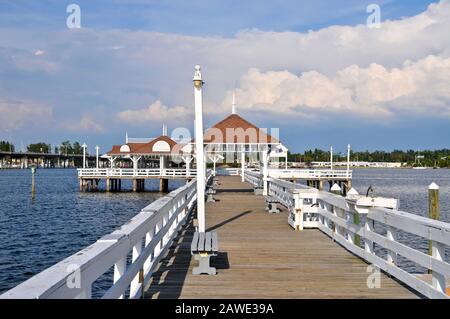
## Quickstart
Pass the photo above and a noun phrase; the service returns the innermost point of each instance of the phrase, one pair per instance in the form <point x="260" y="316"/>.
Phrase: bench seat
<point x="203" y="246"/>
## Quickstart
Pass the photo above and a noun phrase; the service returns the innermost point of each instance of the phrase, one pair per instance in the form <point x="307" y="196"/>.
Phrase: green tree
<point x="39" y="148"/>
<point x="77" y="149"/>
<point x="6" y="146"/>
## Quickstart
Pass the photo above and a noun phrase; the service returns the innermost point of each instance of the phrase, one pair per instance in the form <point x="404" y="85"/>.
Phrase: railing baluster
<point x="137" y="250"/>
<point x="369" y="227"/>
<point x="391" y="235"/>
<point x="349" y="218"/>
<point x="119" y="270"/>
<point x="439" y="280"/>
<point x="148" y="261"/>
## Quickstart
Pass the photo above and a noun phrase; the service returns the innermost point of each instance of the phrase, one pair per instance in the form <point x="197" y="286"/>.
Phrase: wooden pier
<point x="262" y="257"/>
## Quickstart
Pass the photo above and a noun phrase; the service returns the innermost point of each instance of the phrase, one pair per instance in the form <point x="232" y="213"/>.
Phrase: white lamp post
<point x="331" y="157"/>
<point x="84" y="146"/>
<point x="96" y="155"/>
<point x="348" y="157"/>
<point x="198" y="83"/>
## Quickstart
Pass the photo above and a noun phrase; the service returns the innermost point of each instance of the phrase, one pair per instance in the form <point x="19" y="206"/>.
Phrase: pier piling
<point x="163" y="185"/>
<point x="433" y="210"/>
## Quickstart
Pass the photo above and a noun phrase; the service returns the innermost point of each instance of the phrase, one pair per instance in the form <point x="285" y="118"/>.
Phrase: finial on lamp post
<point x="233" y="104"/>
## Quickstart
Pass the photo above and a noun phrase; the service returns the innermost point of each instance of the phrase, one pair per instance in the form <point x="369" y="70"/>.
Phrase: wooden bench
<point x="259" y="189"/>
<point x="272" y="205"/>
<point x="203" y="246"/>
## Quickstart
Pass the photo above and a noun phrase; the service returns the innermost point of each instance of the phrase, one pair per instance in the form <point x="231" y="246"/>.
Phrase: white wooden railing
<point x="130" y="172"/>
<point x="254" y="178"/>
<point x="337" y="220"/>
<point x="147" y="237"/>
<point x="310" y="174"/>
<point x="352" y="226"/>
<point x="228" y="171"/>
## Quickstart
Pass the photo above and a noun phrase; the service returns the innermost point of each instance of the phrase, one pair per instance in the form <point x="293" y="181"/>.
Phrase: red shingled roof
<point x="235" y="129"/>
<point x="144" y="148"/>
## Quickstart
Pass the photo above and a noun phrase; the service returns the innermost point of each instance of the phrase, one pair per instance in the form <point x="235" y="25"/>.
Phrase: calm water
<point x="35" y="234"/>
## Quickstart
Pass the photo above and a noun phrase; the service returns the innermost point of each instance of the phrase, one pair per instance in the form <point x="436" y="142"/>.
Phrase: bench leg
<point x="203" y="266"/>
<point x="210" y="198"/>
<point x="273" y="208"/>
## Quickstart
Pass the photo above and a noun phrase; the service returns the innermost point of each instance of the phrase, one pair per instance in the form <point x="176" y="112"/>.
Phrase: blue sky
<point x="312" y="68"/>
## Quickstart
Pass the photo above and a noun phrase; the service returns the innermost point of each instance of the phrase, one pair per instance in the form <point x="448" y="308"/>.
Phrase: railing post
<point x="243" y="165"/>
<point x="391" y="235"/>
<point x="433" y="207"/>
<point x="119" y="270"/>
<point x="298" y="211"/>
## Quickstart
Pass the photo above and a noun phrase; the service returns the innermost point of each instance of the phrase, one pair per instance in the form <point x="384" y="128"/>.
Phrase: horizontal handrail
<point x="310" y="173"/>
<point x="228" y="171"/>
<point x="130" y="172"/>
<point x="253" y="177"/>
<point x="147" y="237"/>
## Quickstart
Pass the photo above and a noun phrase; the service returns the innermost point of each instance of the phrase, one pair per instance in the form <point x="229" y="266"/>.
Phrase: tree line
<point x="436" y="158"/>
<point x="65" y="148"/>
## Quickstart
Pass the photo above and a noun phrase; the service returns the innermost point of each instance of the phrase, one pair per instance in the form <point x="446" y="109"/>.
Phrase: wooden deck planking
<point x="262" y="257"/>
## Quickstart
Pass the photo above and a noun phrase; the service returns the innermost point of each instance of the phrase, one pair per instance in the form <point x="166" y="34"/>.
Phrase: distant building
<point x="360" y="164"/>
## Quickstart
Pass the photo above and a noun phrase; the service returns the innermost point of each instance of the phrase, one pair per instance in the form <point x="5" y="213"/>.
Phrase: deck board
<point x="262" y="257"/>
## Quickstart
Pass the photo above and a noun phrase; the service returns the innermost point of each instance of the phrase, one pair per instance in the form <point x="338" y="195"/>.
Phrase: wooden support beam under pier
<point x="163" y="185"/>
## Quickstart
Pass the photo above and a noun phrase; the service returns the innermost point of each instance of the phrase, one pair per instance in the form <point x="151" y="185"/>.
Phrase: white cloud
<point x="87" y="123"/>
<point x="342" y="68"/>
<point x="421" y="88"/>
<point x="156" y="112"/>
<point x="17" y="114"/>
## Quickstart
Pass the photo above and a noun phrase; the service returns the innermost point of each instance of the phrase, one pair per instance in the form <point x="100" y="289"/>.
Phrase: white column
<point x="243" y="163"/>
<point x="84" y="154"/>
<point x="348" y="158"/>
<point x="187" y="159"/>
<point x="111" y="160"/>
<point x="331" y="157"/>
<point x="161" y="164"/>
<point x="265" y="172"/>
<point x="96" y="156"/>
<point x="198" y="83"/>
<point x="286" y="164"/>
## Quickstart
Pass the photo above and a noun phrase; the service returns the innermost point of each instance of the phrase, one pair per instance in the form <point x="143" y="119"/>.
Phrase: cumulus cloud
<point x="370" y="72"/>
<point x="421" y="87"/>
<point x="87" y="123"/>
<point x="17" y="114"/>
<point x="156" y="112"/>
